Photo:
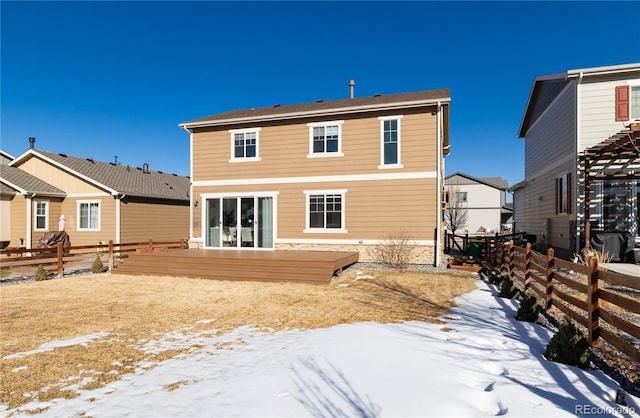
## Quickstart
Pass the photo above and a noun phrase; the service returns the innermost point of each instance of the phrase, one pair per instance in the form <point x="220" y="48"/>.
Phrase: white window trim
<point x="399" y="164"/>
<point x="233" y="158"/>
<point x="325" y="154"/>
<point x="308" y="229"/>
<point x="82" y="202"/>
<point x="46" y="215"/>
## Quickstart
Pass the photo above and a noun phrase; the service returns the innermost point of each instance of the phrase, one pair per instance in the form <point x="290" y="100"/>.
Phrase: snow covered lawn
<point x="482" y="362"/>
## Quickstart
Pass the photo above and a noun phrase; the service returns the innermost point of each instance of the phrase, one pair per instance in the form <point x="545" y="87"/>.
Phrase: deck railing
<point x="461" y="242"/>
<point x="60" y="259"/>
<point x="606" y="303"/>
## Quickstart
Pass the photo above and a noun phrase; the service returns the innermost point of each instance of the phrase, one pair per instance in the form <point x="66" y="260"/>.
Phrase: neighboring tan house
<point x="6" y="194"/>
<point x="484" y="199"/>
<point x="100" y="201"/>
<point x="567" y="115"/>
<point x="328" y="175"/>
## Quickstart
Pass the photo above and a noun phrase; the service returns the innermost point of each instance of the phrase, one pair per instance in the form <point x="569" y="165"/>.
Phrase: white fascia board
<point x="611" y="69"/>
<point x="64" y="168"/>
<point x="313" y="113"/>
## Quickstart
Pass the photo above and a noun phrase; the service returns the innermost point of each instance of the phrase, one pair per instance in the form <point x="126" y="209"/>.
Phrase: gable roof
<point x="13" y="178"/>
<point x="116" y="178"/>
<point x="4" y="155"/>
<point x="546" y="88"/>
<point x="323" y="108"/>
<point x="495" y="182"/>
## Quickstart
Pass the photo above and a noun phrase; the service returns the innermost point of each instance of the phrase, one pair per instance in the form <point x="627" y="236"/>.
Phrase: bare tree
<point x="455" y="213"/>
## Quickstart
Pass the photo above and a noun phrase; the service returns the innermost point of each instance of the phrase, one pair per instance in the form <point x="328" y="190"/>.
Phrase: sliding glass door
<point x="239" y="222"/>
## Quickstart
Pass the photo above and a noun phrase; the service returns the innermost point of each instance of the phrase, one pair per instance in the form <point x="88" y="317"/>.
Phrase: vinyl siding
<point x="283" y="150"/>
<point x="597" y="110"/>
<point x="18" y="220"/>
<point x="5" y="218"/>
<point x="58" y="178"/>
<point x="141" y="221"/>
<point x="55" y="210"/>
<point x="552" y="138"/>
<point x="107" y="221"/>
<point x="373" y="209"/>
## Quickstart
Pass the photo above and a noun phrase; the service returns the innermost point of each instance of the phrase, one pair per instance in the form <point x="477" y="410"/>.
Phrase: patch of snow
<point x="52" y="345"/>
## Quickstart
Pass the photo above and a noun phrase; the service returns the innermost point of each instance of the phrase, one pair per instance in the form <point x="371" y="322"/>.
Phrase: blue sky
<point x="99" y="79"/>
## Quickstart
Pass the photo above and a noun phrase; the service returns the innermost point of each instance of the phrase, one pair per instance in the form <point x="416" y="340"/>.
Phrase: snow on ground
<point x="482" y="362"/>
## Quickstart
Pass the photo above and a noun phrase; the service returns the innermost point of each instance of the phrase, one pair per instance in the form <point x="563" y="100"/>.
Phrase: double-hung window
<point x="390" y="142"/>
<point x="325" y="211"/>
<point x="89" y="216"/>
<point x="634" y="105"/>
<point x="42" y="215"/>
<point x="325" y="139"/>
<point x="245" y="144"/>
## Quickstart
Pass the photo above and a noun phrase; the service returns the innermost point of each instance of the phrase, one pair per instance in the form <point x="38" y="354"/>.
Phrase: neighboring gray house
<point x="484" y="199"/>
<point x="567" y="115"/>
<point x="5" y="157"/>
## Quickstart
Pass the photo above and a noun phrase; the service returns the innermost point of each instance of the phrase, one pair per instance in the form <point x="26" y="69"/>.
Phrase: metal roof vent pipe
<point x="32" y="142"/>
<point x="352" y="85"/>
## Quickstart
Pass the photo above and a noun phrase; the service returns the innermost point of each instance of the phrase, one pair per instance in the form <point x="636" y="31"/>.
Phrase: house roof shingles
<point x="12" y="177"/>
<point x="124" y="179"/>
<point x="321" y="107"/>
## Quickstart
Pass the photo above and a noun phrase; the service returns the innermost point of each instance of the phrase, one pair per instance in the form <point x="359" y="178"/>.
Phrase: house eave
<point x="318" y="113"/>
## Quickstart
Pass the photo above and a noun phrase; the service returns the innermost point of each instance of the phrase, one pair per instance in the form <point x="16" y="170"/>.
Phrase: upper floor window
<point x="627" y="103"/>
<point x="462" y="196"/>
<point x="89" y="216"/>
<point x="390" y="142"/>
<point x="325" y="139"/>
<point x="42" y="216"/>
<point x="245" y="144"/>
<point x="325" y="211"/>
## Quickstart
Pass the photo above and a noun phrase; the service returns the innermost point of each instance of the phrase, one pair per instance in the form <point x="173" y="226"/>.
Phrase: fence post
<point x="593" y="305"/>
<point x="550" y="268"/>
<point x="527" y="266"/>
<point x="59" y="251"/>
<point x="151" y="244"/>
<point x="465" y="243"/>
<point x="511" y="263"/>
<point x="110" y="262"/>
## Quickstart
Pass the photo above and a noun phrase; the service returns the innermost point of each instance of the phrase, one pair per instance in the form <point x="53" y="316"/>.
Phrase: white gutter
<point x="324" y="112"/>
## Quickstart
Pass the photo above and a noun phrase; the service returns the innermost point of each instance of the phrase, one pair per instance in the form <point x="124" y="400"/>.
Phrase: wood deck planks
<point x="289" y="266"/>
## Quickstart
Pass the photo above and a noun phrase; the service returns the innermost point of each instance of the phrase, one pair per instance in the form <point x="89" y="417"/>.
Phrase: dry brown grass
<point x="133" y="309"/>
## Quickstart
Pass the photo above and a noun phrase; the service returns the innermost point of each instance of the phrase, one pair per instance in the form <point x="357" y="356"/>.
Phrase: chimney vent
<point x="352" y="85"/>
<point x="32" y="142"/>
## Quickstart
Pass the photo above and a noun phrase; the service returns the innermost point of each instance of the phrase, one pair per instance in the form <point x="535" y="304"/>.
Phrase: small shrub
<point x="508" y="290"/>
<point x="568" y="346"/>
<point x="40" y="274"/>
<point x="587" y="252"/>
<point x="97" y="266"/>
<point x="495" y="277"/>
<point x="529" y="309"/>
<point x="395" y="250"/>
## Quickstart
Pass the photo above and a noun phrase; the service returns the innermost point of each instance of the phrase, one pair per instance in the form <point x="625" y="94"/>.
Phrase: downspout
<point x="191" y="206"/>
<point x="440" y="169"/>
<point x="575" y="179"/>
<point x="118" y="236"/>
<point x="29" y="232"/>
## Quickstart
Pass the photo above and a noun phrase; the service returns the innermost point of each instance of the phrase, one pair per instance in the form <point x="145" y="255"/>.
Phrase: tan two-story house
<point x="328" y="175"/>
<point x="99" y="200"/>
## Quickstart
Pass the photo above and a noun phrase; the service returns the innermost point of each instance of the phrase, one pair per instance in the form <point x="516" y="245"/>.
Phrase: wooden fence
<point x="461" y="242"/>
<point x="58" y="260"/>
<point x="606" y="303"/>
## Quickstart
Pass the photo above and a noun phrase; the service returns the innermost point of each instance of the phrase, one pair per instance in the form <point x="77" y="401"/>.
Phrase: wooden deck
<point x="272" y="266"/>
